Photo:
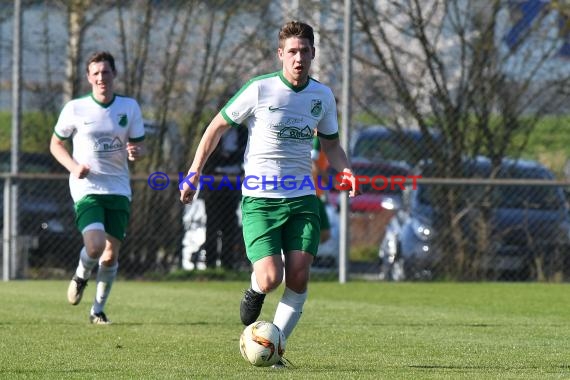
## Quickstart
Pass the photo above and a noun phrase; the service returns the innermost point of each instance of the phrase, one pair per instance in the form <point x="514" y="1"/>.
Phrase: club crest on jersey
<point x="296" y="133"/>
<point x="316" y="107"/>
<point x="123" y="120"/>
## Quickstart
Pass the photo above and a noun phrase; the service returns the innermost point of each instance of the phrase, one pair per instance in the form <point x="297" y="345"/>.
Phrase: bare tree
<point x="201" y="62"/>
<point x="167" y="243"/>
<point x="81" y="15"/>
<point x="223" y="64"/>
<point x="135" y="47"/>
<point x="447" y="64"/>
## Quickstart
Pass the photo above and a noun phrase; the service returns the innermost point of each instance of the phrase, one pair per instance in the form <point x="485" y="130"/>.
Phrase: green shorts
<point x="325" y="222"/>
<point x="274" y="225"/>
<point x="112" y="211"/>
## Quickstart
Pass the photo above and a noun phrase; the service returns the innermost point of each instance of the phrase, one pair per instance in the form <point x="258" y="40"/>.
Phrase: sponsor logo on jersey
<point x="295" y="133"/>
<point x="108" y="144"/>
<point x="273" y="109"/>
<point x="316" y="107"/>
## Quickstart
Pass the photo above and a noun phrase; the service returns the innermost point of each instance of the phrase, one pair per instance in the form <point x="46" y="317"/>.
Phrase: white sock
<point x="289" y="311"/>
<point x="86" y="265"/>
<point x="254" y="284"/>
<point x="105" y="278"/>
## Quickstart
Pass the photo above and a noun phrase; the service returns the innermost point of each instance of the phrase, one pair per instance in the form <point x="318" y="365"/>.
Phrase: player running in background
<point x="279" y="211"/>
<point x="106" y="130"/>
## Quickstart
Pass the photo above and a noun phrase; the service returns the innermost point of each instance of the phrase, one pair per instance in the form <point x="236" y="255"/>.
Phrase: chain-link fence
<point x="479" y="230"/>
<point x="452" y="83"/>
<point x="514" y="226"/>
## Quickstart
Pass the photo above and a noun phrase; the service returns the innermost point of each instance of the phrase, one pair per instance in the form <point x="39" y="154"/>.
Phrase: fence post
<point x="7" y="230"/>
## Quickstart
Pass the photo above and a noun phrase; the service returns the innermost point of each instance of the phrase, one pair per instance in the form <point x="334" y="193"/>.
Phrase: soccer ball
<point x="262" y="344"/>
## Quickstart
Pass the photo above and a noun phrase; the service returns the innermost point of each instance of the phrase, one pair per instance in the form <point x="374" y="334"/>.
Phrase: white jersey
<point x="100" y="133"/>
<point x="281" y="120"/>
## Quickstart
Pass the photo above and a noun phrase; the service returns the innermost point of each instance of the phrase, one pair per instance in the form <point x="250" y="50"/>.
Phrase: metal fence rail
<point x="477" y="240"/>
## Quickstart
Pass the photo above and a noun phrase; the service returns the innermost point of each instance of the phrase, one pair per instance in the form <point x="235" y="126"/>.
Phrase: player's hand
<point x="187" y="194"/>
<point x="133" y="151"/>
<point x="81" y="171"/>
<point x="354" y="188"/>
<point x="188" y="187"/>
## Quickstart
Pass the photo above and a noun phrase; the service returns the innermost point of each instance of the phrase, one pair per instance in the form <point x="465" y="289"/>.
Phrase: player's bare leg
<point x="94" y="245"/>
<point x="267" y="275"/>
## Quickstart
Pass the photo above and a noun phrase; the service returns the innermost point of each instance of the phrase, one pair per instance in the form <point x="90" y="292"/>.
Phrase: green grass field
<point x="359" y="330"/>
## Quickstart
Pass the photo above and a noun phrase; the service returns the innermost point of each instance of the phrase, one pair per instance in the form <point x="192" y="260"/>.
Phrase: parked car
<point x="381" y="151"/>
<point x="406" y="146"/>
<point x="378" y="151"/>
<point x="46" y="225"/>
<point x="529" y="226"/>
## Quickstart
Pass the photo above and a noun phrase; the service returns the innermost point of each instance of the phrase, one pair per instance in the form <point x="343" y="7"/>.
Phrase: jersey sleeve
<point x="242" y="104"/>
<point x="65" y="125"/>
<point x="136" y="129"/>
<point x="328" y="126"/>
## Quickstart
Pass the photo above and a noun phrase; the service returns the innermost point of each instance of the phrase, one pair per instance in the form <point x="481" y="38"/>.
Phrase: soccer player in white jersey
<point x="107" y="131"/>
<point x="280" y="210"/>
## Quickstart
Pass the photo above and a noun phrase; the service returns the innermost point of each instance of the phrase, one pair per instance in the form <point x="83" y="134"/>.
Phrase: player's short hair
<point x="296" y="29"/>
<point x="101" y="56"/>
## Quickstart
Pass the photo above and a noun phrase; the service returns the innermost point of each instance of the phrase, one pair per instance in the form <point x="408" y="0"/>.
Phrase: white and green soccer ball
<point x="262" y="344"/>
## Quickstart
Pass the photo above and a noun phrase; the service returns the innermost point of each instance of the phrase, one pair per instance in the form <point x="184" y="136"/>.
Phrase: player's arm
<point x="135" y="144"/>
<point x="58" y="149"/>
<point x="208" y="143"/>
<point x="338" y="160"/>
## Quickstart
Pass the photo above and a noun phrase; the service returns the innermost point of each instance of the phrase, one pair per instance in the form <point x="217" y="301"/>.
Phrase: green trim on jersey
<point x="136" y="139"/>
<point x="62" y="138"/>
<point x="328" y="137"/>
<point x="104" y="105"/>
<point x="281" y="121"/>
<point x="99" y="134"/>
<point x="294" y="88"/>
<point x="226" y="118"/>
<point x="242" y="89"/>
